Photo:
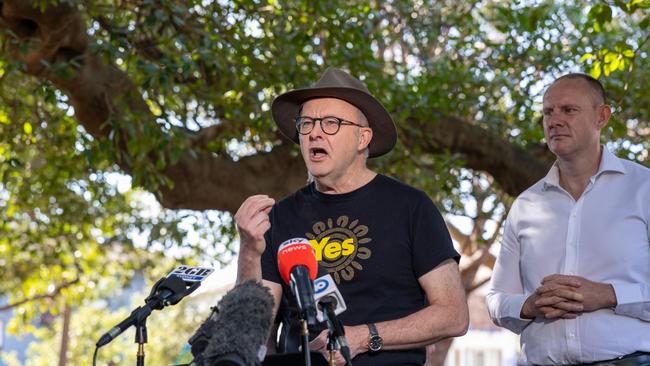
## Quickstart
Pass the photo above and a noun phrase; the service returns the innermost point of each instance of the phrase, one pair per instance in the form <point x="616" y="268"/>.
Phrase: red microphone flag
<point x="296" y="252"/>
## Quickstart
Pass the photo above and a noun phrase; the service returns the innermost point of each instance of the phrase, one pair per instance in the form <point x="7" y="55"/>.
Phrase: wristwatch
<point x="375" y="342"/>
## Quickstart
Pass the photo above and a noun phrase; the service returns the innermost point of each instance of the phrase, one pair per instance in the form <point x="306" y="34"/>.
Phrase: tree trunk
<point x="65" y="335"/>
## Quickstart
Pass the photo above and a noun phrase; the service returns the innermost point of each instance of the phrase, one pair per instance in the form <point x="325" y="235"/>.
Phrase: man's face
<point x="573" y="117"/>
<point x="332" y="155"/>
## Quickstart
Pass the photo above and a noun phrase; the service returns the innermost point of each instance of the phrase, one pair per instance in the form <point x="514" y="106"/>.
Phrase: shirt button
<point x="571" y="335"/>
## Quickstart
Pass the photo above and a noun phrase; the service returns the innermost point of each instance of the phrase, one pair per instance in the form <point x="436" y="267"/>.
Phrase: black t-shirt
<point x="375" y="241"/>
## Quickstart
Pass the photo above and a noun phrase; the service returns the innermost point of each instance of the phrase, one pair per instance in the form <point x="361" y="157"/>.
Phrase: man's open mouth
<point x="317" y="152"/>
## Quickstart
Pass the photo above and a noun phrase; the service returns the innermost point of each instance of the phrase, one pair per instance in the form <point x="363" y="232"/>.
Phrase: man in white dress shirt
<point x="573" y="273"/>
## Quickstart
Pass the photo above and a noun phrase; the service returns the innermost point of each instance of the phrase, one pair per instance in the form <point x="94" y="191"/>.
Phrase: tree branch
<point x="455" y="233"/>
<point x="57" y="290"/>
<point x="468" y="272"/>
<point x="482" y="150"/>
<point x="476" y="285"/>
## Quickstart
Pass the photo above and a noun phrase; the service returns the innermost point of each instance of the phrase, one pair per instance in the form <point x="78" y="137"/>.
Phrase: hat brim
<point x="384" y="135"/>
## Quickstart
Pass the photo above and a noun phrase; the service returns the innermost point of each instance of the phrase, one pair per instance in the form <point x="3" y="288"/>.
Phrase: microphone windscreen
<point x="296" y="252"/>
<point x="200" y="339"/>
<point x="241" y="327"/>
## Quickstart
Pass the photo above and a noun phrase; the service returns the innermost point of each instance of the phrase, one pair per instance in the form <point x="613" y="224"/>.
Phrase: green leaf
<point x="585" y="57"/>
<point x="613" y="65"/>
<point x="3" y="118"/>
<point x="645" y="22"/>
<point x="176" y="154"/>
<point x="606" y="14"/>
<point x="27" y="127"/>
<point x="595" y="70"/>
<point x="628" y="53"/>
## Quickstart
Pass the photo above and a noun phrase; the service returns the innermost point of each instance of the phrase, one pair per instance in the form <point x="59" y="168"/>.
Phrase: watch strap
<point x="375" y="342"/>
<point x="373" y="329"/>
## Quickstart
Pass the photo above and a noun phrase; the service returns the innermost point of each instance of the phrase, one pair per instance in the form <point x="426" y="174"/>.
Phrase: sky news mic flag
<point x="298" y="267"/>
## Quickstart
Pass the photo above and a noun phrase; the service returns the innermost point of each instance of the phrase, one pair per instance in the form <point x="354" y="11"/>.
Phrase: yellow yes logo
<point x="341" y="245"/>
<point x="332" y="250"/>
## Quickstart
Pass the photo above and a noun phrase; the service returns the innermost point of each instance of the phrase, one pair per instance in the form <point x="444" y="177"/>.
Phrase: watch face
<point x="375" y="343"/>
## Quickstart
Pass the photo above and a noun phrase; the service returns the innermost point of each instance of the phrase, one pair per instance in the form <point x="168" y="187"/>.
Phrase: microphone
<point x="236" y="331"/>
<point x="330" y="304"/>
<point x="168" y="290"/>
<point x="325" y="287"/>
<point x="298" y="268"/>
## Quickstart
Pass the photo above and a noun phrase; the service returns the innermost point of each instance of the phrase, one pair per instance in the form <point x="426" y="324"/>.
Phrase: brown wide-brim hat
<point x="338" y="84"/>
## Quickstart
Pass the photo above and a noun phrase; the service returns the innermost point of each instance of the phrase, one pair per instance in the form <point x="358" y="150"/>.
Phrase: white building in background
<point x="485" y="344"/>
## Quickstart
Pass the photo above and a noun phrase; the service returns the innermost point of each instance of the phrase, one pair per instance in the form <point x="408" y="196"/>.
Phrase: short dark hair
<point x="595" y="85"/>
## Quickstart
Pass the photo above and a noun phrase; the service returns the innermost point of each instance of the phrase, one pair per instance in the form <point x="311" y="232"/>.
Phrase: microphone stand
<point x="155" y="302"/>
<point x="332" y="345"/>
<point x="336" y="333"/>
<point x="305" y="341"/>
<point x="307" y="308"/>
<point x="141" y="339"/>
<point x="164" y="292"/>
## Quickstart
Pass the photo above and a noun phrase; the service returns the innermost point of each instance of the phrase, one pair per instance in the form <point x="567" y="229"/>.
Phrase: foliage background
<point x="175" y="96"/>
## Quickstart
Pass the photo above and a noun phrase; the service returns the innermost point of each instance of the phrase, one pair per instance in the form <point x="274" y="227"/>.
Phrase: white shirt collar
<point x="608" y="163"/>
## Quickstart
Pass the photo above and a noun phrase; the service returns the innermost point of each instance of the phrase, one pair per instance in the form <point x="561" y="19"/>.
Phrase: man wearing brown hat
<point x="384" y="242"/>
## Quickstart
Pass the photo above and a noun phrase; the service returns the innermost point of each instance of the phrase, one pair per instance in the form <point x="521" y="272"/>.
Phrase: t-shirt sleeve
<point x="269" y="261"/>
<point x="431" y="243"/>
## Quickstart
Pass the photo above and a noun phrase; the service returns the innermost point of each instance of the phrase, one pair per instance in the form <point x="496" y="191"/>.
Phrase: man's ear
<point x="365" y="136"/>
<point x="604" y="113"/>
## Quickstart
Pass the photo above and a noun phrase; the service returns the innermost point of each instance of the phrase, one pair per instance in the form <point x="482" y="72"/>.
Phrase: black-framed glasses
<point x="328" y="124"/>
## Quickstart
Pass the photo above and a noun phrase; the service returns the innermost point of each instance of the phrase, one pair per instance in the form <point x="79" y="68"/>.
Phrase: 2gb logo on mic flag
<point x="190" y="273"/>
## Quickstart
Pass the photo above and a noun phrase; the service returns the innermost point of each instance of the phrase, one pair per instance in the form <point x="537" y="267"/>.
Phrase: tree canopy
<point x="176" y="95"/>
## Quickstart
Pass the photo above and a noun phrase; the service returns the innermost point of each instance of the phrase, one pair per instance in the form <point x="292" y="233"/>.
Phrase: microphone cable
<point x="95" y="356"/>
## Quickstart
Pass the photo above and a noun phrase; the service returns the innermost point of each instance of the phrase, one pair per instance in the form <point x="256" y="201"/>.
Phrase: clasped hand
<point x="565" y="296"/>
